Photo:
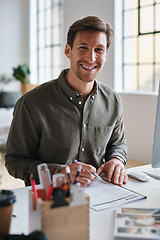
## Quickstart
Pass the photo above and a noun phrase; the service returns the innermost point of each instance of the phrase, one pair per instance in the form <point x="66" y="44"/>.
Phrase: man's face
<point x="87" y="55"/>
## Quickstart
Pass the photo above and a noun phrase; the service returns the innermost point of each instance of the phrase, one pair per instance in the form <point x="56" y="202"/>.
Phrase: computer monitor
<point x="156" y="140"/>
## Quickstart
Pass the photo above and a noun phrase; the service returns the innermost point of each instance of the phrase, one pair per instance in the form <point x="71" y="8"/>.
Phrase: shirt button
<point x="84" y="125"/>
<point x="80" y="102"/>
<point x="77" y="94"/>
<point x="82" y="149"/>
<point x="92" y="97"/>
<point x="71" y="98"/>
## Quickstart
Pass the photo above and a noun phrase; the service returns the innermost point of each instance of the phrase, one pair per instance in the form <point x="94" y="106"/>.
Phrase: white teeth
<point x="87" y="67"/>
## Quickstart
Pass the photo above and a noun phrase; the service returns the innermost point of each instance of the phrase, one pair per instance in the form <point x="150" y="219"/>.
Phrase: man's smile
<point x="87" y="56"/>
<point x="88" y="67"/>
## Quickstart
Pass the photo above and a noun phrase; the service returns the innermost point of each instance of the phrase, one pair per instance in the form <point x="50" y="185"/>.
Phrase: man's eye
<point x="100" y="50"/>
<point x="83" y="47"/>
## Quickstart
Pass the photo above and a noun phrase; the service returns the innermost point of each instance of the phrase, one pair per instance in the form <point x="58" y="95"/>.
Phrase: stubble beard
<point x="79" y="75"/>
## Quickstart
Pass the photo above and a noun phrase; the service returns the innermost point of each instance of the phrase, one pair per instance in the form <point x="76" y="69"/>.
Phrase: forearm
<point x="20" y="167"/>
<point x="117" y="147"/>
<point x="119" y="152"/>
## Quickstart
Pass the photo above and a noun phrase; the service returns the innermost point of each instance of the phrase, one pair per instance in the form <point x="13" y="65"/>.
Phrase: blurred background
<point x="33" y="33"/>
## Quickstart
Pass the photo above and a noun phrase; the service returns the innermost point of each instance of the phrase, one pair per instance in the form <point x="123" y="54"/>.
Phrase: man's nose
<point x="91" y="55"/>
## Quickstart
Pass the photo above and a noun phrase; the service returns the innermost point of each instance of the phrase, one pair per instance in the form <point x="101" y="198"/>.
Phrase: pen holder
<point x="64" y="222"/>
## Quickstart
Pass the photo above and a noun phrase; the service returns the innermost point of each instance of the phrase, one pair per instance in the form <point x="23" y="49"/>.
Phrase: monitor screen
<point x="156" y="140"/>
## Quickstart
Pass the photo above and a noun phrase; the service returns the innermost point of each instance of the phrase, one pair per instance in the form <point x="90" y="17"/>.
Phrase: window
<point x="140" y="45"/>
<point x="46" y="22"/>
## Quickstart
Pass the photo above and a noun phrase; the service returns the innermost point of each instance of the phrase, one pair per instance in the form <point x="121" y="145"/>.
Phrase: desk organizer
<point x="64" y="222"/>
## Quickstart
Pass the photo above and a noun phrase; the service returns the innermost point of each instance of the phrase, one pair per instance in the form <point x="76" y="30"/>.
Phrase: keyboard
<point x="154" y="172"/>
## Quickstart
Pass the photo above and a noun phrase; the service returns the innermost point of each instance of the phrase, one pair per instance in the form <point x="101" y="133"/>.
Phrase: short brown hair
<point x="90" y="23"/>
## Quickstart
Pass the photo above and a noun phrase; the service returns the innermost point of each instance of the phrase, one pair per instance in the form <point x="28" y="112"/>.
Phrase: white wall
<point x="74" y="10"/>
<point x="139" y="110"/>
<point x="14" y="36"/>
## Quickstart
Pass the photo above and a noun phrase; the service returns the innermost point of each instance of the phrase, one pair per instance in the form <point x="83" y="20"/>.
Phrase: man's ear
<point x="106" y="57"/>
<point x="67" y="51"/>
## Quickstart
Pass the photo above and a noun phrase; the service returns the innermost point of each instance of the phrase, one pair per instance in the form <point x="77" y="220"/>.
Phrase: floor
<point x="9" y="182"/>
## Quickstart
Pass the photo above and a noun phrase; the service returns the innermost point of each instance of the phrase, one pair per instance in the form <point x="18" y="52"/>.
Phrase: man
<point x="72" y="117"/>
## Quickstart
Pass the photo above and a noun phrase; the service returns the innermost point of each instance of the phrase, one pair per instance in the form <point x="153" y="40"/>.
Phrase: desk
<point x="102" y="222"/>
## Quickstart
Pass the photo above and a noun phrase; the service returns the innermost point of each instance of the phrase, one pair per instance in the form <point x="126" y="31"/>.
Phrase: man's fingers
<point x="110" y="172"/>
<point x="84" y="181"/>
<point x="120" y="176"/>
<point x="101" y="169"/>
<point x="85" y="177"/>
<point x="117" y="175"/>
<point x="88" y="175"/>
<point x="125" y="178"/>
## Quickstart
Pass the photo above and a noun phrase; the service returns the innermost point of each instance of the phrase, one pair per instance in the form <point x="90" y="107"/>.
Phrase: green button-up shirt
<point x="53" y="124"/>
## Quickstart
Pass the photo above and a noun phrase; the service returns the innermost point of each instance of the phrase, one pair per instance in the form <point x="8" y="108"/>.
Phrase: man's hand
<point x="85" y="177"/>
<point x="115" y="170"/>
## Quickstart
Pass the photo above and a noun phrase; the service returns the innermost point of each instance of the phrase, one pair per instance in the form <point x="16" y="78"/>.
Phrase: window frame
<point x="119" y="49"/>
<point x="38" y="64"/>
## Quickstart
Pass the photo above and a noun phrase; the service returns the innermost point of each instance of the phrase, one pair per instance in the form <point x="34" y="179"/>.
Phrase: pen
<point x="97" y="176"/>
<point x="49" y="193"/>
<point x="94" y="174"/>
<point x="78" y="172"/>
<point x="33" y="183"/>
<point x="68" y="172"/>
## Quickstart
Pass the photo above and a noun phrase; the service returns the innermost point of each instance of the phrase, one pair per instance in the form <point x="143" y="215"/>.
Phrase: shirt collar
<point x="72" y="94"/>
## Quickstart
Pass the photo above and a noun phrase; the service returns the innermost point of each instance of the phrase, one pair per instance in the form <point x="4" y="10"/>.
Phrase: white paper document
<point x="103" y="195"/>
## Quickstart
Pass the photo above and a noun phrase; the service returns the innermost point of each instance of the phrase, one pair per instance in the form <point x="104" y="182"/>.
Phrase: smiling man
<point x="72" y="117"/>
<point x="87" y="57"/>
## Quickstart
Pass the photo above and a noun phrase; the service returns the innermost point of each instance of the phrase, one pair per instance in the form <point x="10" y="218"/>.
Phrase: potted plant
<point x="3" y="81"/>
<point x="7" y="98"/>
<point x="22" y="73"/>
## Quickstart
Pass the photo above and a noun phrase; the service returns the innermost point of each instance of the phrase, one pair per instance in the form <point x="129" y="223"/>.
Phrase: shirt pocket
<point x="100" y="138"/>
